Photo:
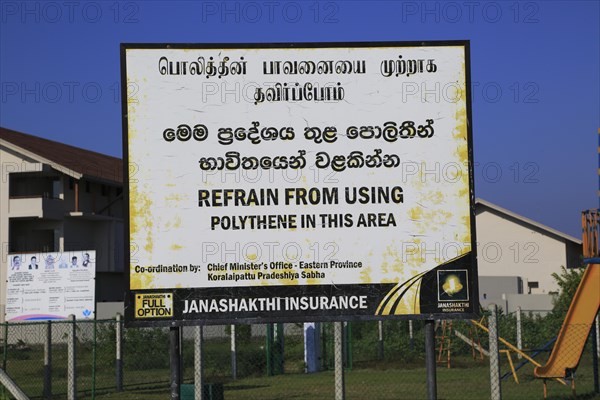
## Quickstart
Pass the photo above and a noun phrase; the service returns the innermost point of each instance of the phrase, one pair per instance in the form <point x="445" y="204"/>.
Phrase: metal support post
<point x="71" y="364"/>
<point x="48" y="362"/>
<point x="410" y="335"/>
<point x="595" y="358"/>
<point x="119" y="353"/>
<point x="495" y="388"/>
<point x="519" y="332"/>
<point x="175" y="356"/>
<point x="430" y="365"/>
<point x="198" y="364"/>
<point x="233" y="354"/>
<point x="380" y="339"/>
<point x="340" y="390"/>
<point x="269" y="349"/>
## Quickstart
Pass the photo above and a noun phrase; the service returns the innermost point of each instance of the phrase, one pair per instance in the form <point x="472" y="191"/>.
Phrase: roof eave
<point x="528" y="221"/>
<point x="43" y="160"/>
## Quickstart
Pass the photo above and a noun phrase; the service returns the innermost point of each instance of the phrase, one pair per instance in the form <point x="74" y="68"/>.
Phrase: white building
<point x="517" y="256"/>
<point x="56" y="197"/>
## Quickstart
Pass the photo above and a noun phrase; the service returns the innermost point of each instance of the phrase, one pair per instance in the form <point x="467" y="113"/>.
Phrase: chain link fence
<point x="382" y="360"/>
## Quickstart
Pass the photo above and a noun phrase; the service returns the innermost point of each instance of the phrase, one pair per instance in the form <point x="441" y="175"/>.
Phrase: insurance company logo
<point x="453" y="285"/>
<point x="153" y="305"/>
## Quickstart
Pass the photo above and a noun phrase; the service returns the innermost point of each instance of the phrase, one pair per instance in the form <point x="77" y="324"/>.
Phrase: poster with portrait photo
<point x="50" y="286"/>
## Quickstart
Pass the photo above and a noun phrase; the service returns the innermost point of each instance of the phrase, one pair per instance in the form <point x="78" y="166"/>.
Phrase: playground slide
<point x="575" y="328"/>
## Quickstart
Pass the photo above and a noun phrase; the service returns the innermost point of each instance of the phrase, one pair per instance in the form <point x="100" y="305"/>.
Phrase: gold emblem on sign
<point x="452" y="285"/>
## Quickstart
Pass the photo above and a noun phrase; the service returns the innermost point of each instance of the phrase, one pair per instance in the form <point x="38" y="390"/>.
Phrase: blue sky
<point x="535" y="70"/>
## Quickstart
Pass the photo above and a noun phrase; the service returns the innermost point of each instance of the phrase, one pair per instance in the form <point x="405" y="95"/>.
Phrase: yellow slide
<point x="575" y="328"/>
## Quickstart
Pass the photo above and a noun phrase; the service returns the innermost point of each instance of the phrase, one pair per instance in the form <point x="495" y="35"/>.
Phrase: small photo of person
<point x="16" y="263"/>
<point x="33" y="263"/>
<point x="63" y="264"/>
<point x="49" y="261"/>
<point x="86" y="259"/>
<point x="74" y="262"/>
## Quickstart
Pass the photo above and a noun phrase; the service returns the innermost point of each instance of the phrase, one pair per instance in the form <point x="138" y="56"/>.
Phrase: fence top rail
<point x="59" y="321"/>
<point x="525" y="311"/>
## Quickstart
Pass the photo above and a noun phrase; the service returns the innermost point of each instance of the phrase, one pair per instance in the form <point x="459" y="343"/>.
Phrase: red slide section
<point x="576" y="327"/>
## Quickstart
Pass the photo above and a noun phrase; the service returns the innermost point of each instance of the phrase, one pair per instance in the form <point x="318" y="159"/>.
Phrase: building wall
<point x="509" y="248"/>
<point x="99" y="235"/>
<point x="534" y="303"/>
<point x="507" y="293"/>
<point x="493" y="287"/>
<point x="9" y="162"/>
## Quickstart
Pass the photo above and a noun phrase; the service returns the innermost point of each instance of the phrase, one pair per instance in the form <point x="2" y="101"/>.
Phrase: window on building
<point x="105" y="190"/>
<point x="88" y="187"/>
<point x="30" y="185"/>
<point x="532" y="285"/>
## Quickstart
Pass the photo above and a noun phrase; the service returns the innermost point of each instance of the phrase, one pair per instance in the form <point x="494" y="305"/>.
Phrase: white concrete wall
<point x="36" y="207"/>
<point x="507" y="248"/>
<point x="109" y="310"/>
<point x="535" y="303"/>
<point x="539" y="304"/>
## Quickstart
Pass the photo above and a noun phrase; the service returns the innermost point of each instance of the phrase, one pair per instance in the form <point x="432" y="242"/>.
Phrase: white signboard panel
<point x="299" y="181"/>
<point x="48" y="286"/>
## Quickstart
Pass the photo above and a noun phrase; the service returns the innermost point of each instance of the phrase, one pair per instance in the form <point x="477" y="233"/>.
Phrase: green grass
<point x="466" y="379"/>
<point x="372" y="384"/>
<point x="392" y="378"/>
<point x="369" y="384"/>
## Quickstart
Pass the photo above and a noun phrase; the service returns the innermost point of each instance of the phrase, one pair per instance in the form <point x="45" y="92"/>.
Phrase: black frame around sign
<point x="468" y="261"/>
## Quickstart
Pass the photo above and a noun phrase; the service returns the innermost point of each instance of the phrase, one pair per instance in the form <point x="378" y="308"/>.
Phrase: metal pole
<point x="269" y="349"/>
<point x="495" y="388"/>
<point x="181" y="344"/>
<point x="71" y="367"/>
<point x="5" y="354"/>
<point x="595" y="358"/>
<point x="175" y="357"/>
<point x="430" y="365"/>
<point x="94" y="359"/>
<point x="48" y="362"/>
<point x="324" y="362"/>
<point x="348" y="345"/>
<point x="340" y="390"/>
<point x="198" y="365"/>
<point x="119" y="355"/>
<point x="280" y="341"/>
<point x="11" y="386"/>
<point x="410" y="335"/>
<point x="380" y="328"/>
<point x="233" y="354"/>
<point x="598" y="335"/>
<point x="519" y="332"/>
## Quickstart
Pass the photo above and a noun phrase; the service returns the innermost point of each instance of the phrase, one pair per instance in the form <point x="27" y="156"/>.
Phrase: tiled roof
<point x="88" y="163"/>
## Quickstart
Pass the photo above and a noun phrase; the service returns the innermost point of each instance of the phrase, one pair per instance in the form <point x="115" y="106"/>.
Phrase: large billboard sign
<point x="298" y="182"/>
<point x="50" y="286"/>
